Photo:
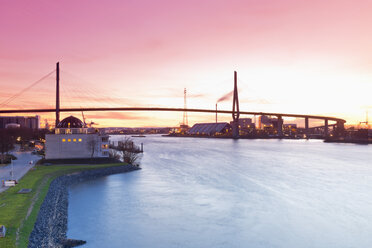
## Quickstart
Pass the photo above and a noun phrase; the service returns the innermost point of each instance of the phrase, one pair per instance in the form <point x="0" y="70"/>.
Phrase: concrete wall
<point x="62" y="146"/>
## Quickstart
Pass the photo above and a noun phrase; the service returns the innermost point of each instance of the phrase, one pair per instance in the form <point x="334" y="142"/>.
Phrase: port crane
<point x="87" y="124"/>
<point x="365" y="122"/>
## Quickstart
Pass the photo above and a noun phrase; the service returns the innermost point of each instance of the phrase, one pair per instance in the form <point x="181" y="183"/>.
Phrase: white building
<point x="72" y="139"/>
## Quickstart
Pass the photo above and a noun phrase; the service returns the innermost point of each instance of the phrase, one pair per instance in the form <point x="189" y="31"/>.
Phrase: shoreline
<point x="325" y="140"/>
<point x="50" y="229"/>
<point x="240" y="137"/>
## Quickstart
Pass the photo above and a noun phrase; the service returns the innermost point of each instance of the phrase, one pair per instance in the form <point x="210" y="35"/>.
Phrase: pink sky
<point x="305" y="57"/>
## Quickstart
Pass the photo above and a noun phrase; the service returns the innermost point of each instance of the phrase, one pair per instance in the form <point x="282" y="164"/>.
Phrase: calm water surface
<point x="223" y="193"/>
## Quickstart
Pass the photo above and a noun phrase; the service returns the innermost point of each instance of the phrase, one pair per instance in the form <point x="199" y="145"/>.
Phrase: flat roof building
<point x="266" y="122"/>
<point x="23" y="121"/>
<point x="72" y="139"/>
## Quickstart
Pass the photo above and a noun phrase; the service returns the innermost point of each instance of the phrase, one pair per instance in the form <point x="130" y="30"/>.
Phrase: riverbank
<point x="251" y="137"/>
<point x="20" y="212"/>
<point x="351" y="140"/>
<point x="51" y="225"/>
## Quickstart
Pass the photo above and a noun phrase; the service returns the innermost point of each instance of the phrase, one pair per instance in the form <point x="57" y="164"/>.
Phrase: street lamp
<point x="11" y="172"/>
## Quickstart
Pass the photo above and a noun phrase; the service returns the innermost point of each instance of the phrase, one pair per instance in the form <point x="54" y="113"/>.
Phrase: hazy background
<point x="310" y="57"/>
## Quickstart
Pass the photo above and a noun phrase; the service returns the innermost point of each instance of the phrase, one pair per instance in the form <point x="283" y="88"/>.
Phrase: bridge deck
<point x="170" y="110"/>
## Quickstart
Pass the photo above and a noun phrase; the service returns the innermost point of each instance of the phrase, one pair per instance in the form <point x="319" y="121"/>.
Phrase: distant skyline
<point x="304" y="57"/>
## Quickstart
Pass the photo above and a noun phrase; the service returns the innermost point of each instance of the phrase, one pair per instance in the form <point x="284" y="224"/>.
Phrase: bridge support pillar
<point x="280" y="126"/>
<point x="307" y="127"/>
<point x="235" y="129"/>
<point x="235" y="112"/>
<point x="326" y="128"/>
<point x="340" y="128"/>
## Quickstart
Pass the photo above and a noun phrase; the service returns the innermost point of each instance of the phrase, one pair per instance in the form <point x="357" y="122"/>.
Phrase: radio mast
<point x="185" y="121"/>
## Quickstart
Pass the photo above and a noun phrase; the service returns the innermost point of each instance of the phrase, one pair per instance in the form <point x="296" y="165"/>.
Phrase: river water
<point x="195" y="192"/>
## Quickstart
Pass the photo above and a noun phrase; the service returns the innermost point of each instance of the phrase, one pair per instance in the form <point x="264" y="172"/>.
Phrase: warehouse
<point x="210" y="129"/>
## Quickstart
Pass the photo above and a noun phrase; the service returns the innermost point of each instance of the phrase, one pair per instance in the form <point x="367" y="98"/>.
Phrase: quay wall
<point x="51" y="225"/>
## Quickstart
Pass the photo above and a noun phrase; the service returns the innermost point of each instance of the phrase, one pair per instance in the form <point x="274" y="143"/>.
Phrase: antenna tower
<point x="185" y="121"/>
<point x="366" y="122"/>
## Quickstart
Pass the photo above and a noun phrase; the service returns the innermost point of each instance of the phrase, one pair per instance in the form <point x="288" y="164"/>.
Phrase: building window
<point x="63" y="140"/>
<point x="69" y="140"/>
<point x="105" y="146"/>
<point x="104" y="139"/>
<point x="105" y="153"/>
<point x="80" y="140"/>
<point x="74" y="140"/>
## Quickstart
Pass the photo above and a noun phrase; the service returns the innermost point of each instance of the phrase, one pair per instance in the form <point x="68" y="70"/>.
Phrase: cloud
<point x="86" y="58"/>
<point x="115" y="116"/>
<point x="172" y="92"/>
<point x="196" y="95"/>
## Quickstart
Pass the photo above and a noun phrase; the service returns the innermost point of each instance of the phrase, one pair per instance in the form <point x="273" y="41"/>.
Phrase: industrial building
<point x="265" y="122"/>
<point x="245" y="123"/>
<point x="275" y="126"/>
<point x="20" y="121"/>
<point x="246" y="126"/>
<point x="210" y="129"/>
<point x="73" y="139"/>
<point x="289" y="129"/>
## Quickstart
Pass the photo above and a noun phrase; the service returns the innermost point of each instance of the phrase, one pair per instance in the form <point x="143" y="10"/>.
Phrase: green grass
<point x="14" y="207"/>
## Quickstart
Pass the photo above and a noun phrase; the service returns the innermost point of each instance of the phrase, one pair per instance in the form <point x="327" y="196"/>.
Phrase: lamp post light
<point x="11" y="172"/>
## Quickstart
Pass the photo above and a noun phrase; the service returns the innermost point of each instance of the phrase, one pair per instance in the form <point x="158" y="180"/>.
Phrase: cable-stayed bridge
<point x="235" y="112"/>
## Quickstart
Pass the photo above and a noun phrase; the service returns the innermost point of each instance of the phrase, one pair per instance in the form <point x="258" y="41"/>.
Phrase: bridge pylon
<point x="280" y="126"/>
<point x="235" y="109"/>
<point x="57" y="94"/>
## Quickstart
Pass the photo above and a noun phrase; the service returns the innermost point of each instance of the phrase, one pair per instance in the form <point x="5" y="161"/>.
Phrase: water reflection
<point x="226" y="193"/>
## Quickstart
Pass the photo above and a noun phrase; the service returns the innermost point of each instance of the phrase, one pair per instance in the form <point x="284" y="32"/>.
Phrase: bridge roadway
<point x="279" y="115"/>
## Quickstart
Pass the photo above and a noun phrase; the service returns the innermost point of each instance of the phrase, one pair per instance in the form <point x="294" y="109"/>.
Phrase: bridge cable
<point x="10" y="99"/>
<point x="109" y="101"/>
<point x="72" y="95"/>
<point x="81" y="95"/>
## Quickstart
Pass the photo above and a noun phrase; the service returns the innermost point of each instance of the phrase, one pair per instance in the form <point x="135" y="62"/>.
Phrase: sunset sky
<point x="303" y="57"/>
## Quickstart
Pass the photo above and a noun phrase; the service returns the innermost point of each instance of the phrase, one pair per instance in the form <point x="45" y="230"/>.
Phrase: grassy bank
<point x="18" y="212"/>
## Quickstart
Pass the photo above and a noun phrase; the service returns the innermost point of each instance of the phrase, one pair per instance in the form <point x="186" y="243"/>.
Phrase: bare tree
<point x="6" y="144"/>
<point x="92" y="146"/>
<point x="126" y="144"/>
<point x="130" y="153"/>
<point x="114" y="154"/>
<point x="131" y="157"/>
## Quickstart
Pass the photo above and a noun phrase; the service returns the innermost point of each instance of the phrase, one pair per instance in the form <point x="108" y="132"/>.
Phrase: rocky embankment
<point x="51" y="224"/>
